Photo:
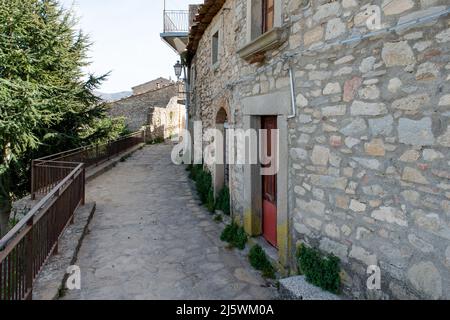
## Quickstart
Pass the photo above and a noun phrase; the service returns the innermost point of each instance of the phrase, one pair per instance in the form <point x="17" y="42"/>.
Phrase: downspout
<point x="292" y="116"/>
<point x="293" y="96"/>
<point x="187" y="74"/>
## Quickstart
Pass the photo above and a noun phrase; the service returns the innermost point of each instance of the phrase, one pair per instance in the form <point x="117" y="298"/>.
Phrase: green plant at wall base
<point x="197" y="169"/>
<point x="210" y="202"/>
<point x="320" y="270"/>
<point x="158" y="140"/>
<point x="235" y="236"/>
<point x="218" y="218"/>
<point x="223" y="201"/>
<point x="192" y="169"/>
<point x="227" y="234"/>
<point x="259" y="261"/>
<point x="203" y="183"/>
<point x="240" y="239"/>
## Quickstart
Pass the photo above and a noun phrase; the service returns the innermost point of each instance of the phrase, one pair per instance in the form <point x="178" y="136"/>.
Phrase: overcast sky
<point x="126" y="39"/>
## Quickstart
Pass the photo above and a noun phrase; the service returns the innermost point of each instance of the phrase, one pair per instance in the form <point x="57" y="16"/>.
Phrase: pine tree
<point x="47" y="102"/>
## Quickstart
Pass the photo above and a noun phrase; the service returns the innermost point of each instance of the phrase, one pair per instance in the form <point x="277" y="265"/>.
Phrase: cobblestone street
<point x="150" y="239"/>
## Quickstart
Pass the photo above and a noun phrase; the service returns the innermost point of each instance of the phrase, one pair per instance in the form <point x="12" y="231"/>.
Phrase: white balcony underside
<point x="176" y="40"/>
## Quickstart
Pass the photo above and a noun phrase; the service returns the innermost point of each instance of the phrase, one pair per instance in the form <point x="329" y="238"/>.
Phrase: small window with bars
<point x="215" y="48"/>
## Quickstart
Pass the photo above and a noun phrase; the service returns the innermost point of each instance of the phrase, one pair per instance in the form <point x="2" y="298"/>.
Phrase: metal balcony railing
<point x="176" y="21"/>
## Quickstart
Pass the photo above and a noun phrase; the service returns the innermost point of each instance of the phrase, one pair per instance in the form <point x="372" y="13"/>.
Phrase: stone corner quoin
<point x="367" y="156"/>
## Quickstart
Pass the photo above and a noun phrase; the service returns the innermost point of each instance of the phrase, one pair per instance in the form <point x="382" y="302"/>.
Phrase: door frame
<point x="274" y="104"/>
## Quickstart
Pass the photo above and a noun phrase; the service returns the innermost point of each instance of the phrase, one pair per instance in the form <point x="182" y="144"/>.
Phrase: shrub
<point x="223" y="201"/>
<point x="259" y="261"/>
<point x="157" y="140"/>
<point x="228" y="232"/>
<point x="322" y="271"/>
<point x="241" y="239"/>
<point x="235" y="236"/>
<point x="210" y="203"/>
<point x="218" y="218"/>
<point x="203" y="182"/>
<point x="194" y="170"/>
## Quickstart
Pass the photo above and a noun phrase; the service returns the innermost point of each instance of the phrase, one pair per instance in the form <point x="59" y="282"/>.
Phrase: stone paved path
<point x="150" y="239"/>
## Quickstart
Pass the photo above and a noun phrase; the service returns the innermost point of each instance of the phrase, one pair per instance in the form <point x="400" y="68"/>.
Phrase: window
<point x="264" y="29"/>
<point x="262" y="17"/>
<point x="215" y="48"/>
<point x="268" y="10"/>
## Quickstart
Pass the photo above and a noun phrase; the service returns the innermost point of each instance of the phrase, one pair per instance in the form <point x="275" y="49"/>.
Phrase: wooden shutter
<point x="268" y="15"/>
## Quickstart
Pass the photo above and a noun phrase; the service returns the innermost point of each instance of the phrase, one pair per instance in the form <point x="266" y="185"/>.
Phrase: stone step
<point x="297" y="288"/>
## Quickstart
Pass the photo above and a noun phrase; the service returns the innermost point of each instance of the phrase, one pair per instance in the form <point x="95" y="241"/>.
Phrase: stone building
<point x="152" y="85"/>
<point x="364" y="152"/>
<point x="159" y="109"/>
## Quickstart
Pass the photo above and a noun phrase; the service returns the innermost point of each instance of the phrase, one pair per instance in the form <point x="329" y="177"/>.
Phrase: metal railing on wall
<point x="60" y="179"/>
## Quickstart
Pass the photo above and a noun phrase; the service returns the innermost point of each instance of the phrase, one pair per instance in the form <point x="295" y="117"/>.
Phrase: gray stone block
<point x="297" y="288"/>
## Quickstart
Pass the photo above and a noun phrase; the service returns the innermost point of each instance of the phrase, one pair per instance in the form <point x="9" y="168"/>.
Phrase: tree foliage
<point x="47" y="102"/>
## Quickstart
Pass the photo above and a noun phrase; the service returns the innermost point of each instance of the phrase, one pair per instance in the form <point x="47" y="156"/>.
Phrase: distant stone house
<point x="364" y="152"/>
<point x="158" y="109"/>
<point x="152" y="85"/>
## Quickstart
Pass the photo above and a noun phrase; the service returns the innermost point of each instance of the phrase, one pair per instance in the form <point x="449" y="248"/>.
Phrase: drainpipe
<point x="293" y="96"/>
<point x="188" y="95"/>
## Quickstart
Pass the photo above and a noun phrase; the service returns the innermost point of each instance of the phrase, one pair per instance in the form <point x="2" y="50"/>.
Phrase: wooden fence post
<point x="33" y="180"/>
<point x="83" y="195"/>
<point x="96" y="155"/>
<point x="29" y="261"/>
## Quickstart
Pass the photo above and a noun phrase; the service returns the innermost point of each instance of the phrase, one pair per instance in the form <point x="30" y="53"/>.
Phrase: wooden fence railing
<point x="61" y="180"/>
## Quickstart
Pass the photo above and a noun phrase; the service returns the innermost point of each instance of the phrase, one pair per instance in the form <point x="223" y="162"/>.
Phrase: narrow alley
<point x="151" y="239"/>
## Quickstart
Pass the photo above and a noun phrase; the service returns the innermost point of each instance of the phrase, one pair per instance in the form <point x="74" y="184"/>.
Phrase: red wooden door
<point x="269" y="185"/>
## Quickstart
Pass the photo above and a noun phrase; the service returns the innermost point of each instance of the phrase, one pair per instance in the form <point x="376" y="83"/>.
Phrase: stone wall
<point x="138" y="109"/>
<point x="369" y="156"/>
<point x="209" y="92"/>
<point x="167" y="122"/>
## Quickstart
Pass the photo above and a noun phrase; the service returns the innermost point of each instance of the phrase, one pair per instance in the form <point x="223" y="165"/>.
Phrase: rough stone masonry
<point x="146" y="108"/>
<point x="369" y="148"/>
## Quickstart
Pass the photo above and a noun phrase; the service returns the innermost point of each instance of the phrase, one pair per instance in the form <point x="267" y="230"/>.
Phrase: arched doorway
<point x="221" y="170"/>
